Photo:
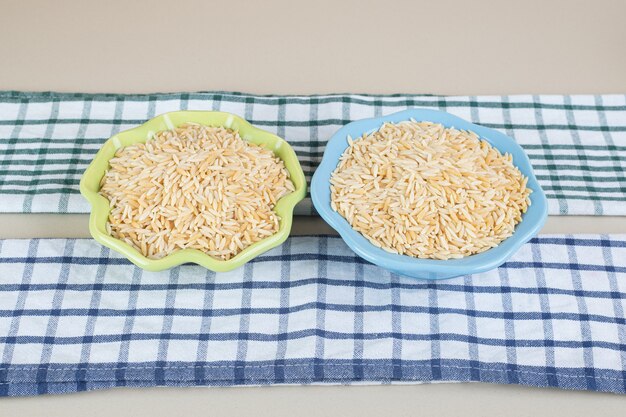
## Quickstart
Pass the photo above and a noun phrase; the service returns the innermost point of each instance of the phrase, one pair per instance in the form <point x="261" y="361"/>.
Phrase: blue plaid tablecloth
<point x="75" y="317"/>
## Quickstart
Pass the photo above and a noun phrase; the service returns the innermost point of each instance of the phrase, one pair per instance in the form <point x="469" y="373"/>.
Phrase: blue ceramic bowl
<point x="532" y="221"/>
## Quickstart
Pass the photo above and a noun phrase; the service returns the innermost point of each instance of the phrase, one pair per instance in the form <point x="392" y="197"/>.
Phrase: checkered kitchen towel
<point x="74" y="316"/>
<point x="577" y="144"/>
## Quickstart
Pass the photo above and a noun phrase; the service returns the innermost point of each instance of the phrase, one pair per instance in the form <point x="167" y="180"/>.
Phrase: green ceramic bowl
<point x="90" y="185"/>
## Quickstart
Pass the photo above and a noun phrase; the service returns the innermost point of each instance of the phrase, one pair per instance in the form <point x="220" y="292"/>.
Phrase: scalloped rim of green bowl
<point x="90" y="186"/>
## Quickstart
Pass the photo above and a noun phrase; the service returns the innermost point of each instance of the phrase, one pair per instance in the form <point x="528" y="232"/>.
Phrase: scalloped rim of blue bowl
<point x="532" y="221"/>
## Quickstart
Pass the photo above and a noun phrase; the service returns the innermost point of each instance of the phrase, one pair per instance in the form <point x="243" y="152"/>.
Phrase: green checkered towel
<point x="577" y="144"/>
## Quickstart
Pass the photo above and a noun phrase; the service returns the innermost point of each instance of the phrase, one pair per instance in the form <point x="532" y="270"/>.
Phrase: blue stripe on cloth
<point x="472" y="330"/>
<point x="310" y="257"/>
<point x="301" y="334"/>
<point x="53" y="320"/>
<point x="129" y="321"/>
<point x="301" y="371"/>
<point x="170" y="297"/>
<point x="509" y="328"/>
<point x="205" y="327"/>
<point x="244" y="326"/>
<point x="212" y="286"/>
<point x="310" y="311"/>
<point x="618" y="307"/>
<point x="320" y="314"/>
<point x="584" y="324"/>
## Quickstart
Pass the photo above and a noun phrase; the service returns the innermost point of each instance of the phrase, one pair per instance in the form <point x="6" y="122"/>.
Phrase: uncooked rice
<point x="194" y="187"/>
<point x="426" y="191"/>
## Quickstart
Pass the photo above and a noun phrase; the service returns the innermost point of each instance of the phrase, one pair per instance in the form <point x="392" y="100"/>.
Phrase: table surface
<point x="286" y="47"/>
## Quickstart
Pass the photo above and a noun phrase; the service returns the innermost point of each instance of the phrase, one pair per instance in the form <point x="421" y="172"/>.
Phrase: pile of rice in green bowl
<point x="195" y="187"/>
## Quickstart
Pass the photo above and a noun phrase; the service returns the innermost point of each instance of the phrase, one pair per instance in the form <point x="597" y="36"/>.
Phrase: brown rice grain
<point x="423" y="190"/>
<point x="195" y="187"/>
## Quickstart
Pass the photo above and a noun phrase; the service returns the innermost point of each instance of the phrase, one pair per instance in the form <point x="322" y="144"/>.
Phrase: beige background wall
<point x="280" y="46"/>
<point x="315" y="46"/>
